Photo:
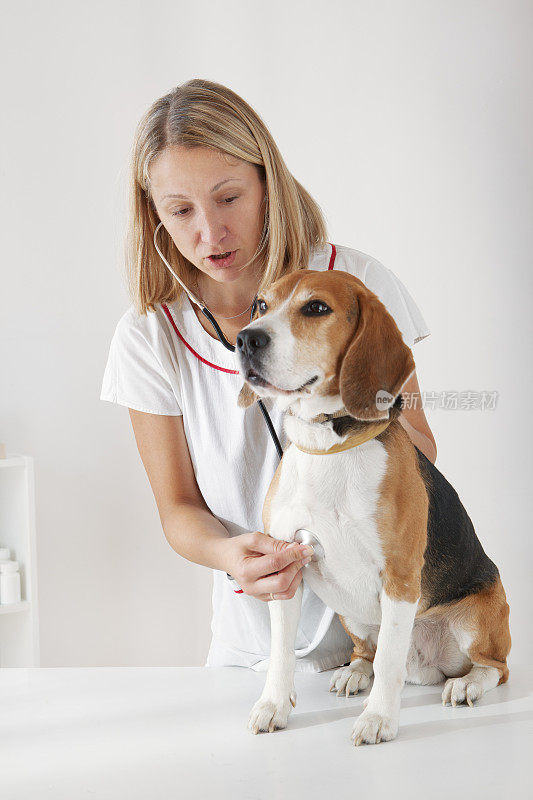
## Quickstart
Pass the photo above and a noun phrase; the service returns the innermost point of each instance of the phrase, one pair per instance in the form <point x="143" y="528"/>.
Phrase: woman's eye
<point x="182" y="212"/>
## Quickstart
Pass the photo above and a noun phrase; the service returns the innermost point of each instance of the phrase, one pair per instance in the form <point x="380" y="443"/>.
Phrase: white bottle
<point x="5" y="555"/>
<point x="9" y="582"/>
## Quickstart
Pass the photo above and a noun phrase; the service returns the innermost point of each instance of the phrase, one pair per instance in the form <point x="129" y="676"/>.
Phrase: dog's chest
<point x="335" y="497"/>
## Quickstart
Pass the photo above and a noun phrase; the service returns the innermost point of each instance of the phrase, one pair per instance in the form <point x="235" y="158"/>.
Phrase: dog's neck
<point x="334" y="431"/>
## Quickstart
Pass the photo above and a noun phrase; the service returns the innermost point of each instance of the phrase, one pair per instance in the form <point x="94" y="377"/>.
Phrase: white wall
<point x="410" y="123"/>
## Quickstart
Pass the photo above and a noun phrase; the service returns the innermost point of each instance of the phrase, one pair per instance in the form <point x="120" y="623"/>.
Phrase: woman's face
<point x="209" y="203"/>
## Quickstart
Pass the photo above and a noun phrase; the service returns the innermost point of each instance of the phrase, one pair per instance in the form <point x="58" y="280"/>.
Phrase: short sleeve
<point x="398" y="302"/>
<point x="135" y="376"/>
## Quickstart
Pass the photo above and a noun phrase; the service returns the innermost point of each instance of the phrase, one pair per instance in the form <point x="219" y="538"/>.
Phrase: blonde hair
<point x="200" y="113"/>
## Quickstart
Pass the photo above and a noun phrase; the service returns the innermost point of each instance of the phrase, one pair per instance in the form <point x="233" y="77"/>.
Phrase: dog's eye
<point x="262" y="306"/>
<point x="316" y="308"/>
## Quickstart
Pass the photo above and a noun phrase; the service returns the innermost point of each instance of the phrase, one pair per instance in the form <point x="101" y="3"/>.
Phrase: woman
<point x="206" y="167"/>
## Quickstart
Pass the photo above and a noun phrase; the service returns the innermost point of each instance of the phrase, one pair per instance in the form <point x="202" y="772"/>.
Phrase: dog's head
<point x="323" y="334"/>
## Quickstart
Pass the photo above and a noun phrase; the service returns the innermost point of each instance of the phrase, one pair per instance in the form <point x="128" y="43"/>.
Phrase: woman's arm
<point x="189" y="526"/>
<point x="414" y="420"/>
<point x="259" y="563"/>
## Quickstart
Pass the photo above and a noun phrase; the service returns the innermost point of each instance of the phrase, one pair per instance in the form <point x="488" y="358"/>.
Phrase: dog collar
<point x="352" y="441"/>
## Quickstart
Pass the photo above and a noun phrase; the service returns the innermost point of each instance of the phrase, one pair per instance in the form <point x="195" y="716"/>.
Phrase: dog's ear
<point x="376" y="364"/>
<point x="247" y="396"/>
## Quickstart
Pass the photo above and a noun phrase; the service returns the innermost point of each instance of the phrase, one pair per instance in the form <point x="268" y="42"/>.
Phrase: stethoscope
<point x="221" y="336"/>
<point x="302" y="535"/>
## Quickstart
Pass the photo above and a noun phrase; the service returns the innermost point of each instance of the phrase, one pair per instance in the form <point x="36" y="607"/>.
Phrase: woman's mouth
<point x="222" y="260"/>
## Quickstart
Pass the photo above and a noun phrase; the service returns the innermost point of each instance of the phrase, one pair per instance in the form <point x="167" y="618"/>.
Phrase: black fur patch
<point x="455" y="564"/>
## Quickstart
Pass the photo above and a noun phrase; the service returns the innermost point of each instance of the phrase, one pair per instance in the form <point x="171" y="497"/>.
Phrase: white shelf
<point x="12" y="608"/>
<point x="19" y="632"/>
<point x="12" y="461"/>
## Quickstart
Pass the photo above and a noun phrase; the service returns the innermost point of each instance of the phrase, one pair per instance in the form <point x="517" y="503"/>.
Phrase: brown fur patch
<point x="247" y="396"/>
<point x="361" y="648"/>
<point x="376" y="361"/>
<point x="402" y="516"/>
<point x="272" y="489"/>
<point x="485" y="615"/>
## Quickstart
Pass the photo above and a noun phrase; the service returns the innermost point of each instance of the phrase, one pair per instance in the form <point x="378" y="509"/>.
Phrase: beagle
<point x="402" y="565"/>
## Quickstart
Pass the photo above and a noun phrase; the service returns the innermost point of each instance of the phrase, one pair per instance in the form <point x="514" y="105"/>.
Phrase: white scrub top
<point x="175" y="367"/>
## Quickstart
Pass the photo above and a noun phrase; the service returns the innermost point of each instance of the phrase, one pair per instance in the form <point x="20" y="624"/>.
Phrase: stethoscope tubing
<point x="205" y="311"/>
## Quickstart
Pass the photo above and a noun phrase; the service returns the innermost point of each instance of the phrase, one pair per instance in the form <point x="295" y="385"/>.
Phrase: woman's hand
<point x="261" y="564"/>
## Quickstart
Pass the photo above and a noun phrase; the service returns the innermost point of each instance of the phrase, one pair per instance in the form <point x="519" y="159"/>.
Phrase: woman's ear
<point x="376" y="364"/>
<point x="246" y="397"/>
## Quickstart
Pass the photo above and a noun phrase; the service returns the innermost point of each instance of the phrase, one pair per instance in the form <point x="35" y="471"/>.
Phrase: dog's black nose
<point x="248" y="342"/>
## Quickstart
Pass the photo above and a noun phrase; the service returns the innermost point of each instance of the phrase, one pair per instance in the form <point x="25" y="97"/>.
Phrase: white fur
<point x="435" y="652"/>
<point x="470" y="687"/>
<point x="379" y="720"/>
<point x="272" y="709"/>
<point x="335" y="497"/>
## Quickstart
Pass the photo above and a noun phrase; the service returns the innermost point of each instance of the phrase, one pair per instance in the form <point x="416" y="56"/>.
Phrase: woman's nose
<point x="211" y="228"/>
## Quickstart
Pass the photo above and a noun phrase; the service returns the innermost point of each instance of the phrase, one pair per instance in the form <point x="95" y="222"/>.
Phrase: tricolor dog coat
<point x="402" y="564"/>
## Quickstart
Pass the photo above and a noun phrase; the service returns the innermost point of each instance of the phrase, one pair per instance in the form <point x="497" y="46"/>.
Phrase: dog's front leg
<point x="272" y="709"/>
<point x="379" y="720"/>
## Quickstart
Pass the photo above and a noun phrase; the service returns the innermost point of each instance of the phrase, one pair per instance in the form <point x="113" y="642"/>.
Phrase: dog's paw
<point x="371" y="728"/>
<point x="350" y="680"/>
<point x="270" y="714"/>
<point x="460" y="690"/>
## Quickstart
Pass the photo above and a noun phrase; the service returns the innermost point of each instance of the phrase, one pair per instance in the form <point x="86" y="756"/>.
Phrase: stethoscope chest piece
<point x="303" y="536"/>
